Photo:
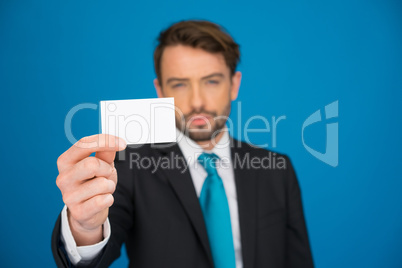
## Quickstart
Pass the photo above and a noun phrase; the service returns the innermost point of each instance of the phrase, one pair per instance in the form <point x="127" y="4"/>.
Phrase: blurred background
<point x="297" y="57"/>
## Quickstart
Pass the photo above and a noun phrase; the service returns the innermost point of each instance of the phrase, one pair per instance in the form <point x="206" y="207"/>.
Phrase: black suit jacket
<point x="157" y="213"/>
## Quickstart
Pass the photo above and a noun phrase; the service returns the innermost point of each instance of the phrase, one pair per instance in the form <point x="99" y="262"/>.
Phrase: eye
<point x="212" y="82"/>
<point x="178" y="85"/>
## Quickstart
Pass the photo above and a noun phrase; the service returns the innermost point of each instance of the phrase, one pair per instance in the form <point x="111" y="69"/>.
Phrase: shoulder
<point x="270" y="159"/>
<point x="135" y="151"/>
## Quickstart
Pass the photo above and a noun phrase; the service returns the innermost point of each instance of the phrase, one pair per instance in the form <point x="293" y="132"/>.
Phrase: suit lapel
<point x="246" y="186"/>
<point x="183" y="186"/>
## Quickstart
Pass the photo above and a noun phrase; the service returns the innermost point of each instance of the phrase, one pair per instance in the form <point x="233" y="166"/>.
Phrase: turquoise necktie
<point x="215" y="208"/>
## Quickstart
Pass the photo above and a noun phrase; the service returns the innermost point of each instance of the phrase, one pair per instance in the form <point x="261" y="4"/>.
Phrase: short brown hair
<point x="198" y="34"/>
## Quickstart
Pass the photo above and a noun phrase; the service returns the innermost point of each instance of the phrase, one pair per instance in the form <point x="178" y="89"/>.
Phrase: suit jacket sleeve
<point x="58" y="250"/>
<point x="298" y="252"/>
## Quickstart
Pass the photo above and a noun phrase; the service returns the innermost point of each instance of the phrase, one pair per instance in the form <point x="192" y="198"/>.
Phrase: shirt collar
<point x="191" y="150"/>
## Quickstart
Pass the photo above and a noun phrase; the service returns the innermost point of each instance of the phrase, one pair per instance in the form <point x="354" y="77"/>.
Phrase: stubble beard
<point x="206" y="132"/>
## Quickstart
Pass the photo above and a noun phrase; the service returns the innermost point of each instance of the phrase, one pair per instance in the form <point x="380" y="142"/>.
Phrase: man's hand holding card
<point x="87" y="182"/>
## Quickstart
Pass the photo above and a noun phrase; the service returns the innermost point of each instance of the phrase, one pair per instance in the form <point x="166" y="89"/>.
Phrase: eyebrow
<point x="173" y="79"/>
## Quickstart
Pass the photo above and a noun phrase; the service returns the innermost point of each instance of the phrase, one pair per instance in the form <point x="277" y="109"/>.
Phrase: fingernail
<point x="122" y="143"/>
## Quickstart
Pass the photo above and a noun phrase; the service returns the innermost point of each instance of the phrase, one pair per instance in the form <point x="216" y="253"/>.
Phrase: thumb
<point x="108" y="157"/>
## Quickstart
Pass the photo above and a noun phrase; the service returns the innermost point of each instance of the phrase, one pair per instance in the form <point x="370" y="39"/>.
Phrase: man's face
<point x="202" y="87"/>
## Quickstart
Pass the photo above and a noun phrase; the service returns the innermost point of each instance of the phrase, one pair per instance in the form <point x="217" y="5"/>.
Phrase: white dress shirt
<point x="191" y="151"/>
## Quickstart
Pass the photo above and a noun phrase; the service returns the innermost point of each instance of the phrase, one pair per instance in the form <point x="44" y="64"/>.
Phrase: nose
<point x="196" y="100"/>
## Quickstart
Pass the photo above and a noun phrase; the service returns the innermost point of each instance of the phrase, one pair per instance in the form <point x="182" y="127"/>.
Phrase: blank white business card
<point x="140" y="121"/>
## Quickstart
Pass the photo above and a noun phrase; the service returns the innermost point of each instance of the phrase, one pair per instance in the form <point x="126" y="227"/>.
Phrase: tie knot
<point x="208" y="161"/>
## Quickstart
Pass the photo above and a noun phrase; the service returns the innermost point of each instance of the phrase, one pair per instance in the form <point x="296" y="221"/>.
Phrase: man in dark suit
<point x="206" y="201"/>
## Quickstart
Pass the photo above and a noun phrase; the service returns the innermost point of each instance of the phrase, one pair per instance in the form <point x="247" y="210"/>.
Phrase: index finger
<point x="88" y="145"/>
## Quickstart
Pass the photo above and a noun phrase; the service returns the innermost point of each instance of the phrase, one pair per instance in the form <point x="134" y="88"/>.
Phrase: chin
<point x="204" y="136"/>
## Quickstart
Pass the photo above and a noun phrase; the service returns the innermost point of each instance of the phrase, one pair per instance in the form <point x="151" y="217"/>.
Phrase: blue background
<point x="297" y="57"/>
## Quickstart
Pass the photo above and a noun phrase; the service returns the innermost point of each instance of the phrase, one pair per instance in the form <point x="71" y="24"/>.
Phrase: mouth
<point x="199" y="120"/>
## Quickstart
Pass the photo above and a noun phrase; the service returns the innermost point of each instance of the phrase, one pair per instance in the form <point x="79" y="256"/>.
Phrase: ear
<point x="234" y="91"/>
<point x="158" y="88"/>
